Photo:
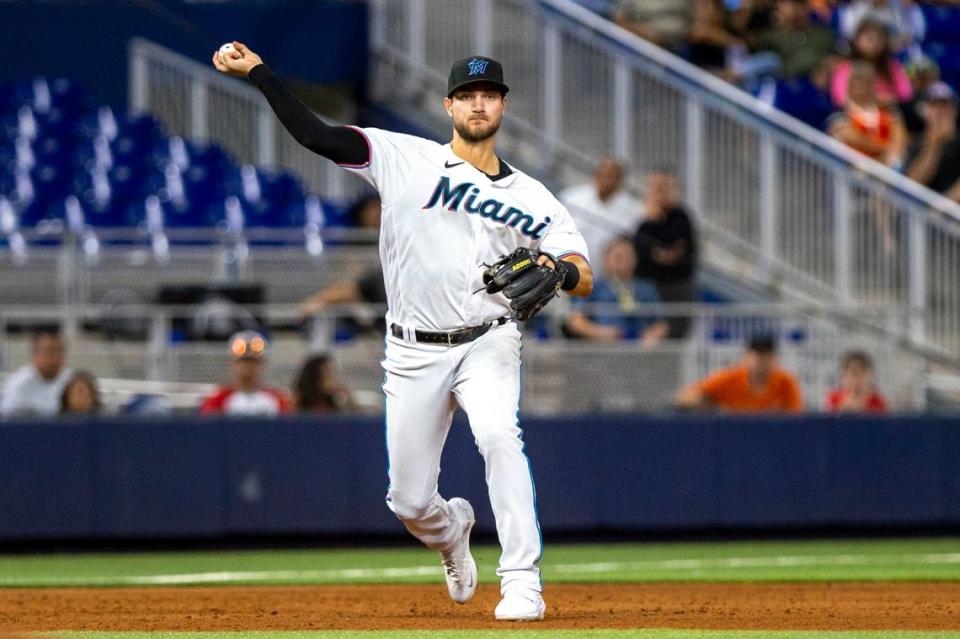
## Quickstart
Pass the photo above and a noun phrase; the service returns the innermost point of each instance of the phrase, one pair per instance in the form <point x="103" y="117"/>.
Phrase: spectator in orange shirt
<point x="856" y="393"/>
<point x="756" y="385"/>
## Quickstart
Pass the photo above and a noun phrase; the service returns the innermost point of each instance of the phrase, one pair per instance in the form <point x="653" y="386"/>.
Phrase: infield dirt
<point x="840" y="606"/>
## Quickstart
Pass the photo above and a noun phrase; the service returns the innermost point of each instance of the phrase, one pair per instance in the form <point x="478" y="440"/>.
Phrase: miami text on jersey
<point x="490" y="209"/>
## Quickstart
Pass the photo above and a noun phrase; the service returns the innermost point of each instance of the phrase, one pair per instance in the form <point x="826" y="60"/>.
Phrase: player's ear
<point x="448" y="106"/>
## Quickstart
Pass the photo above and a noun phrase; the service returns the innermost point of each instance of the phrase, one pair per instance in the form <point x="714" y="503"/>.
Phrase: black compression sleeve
<point x="341" y="144"/>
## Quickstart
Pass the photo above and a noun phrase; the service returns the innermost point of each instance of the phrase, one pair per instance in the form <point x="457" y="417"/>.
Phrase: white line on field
<point x="362" y="574"/>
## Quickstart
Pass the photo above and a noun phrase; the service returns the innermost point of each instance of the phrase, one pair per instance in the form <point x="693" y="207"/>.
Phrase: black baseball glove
<point x="527" y="285"/>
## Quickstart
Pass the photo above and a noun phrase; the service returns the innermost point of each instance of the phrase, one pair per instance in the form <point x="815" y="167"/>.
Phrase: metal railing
<point x="140" y="342"/>
<point x="197" y="102"/>
<point x="777" y="201"/>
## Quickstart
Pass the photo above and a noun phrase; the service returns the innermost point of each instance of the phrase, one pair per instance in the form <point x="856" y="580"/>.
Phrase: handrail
<point x="749" y="103"/>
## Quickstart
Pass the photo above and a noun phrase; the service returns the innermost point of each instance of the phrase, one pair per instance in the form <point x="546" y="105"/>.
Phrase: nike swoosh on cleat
<point x="450" y="166"/>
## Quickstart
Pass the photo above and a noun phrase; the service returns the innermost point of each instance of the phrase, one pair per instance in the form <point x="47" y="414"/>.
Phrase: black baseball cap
<point x="475" y="69"/>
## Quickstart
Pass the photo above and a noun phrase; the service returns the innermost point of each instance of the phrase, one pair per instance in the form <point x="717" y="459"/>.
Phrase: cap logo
<point x="477" y="66"/>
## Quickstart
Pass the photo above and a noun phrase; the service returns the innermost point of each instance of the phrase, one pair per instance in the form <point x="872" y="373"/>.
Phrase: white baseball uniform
<point x="442" y="219"/>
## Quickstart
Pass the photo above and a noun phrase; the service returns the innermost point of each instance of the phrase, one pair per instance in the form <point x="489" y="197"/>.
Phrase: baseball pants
<point x="423" y="385"/>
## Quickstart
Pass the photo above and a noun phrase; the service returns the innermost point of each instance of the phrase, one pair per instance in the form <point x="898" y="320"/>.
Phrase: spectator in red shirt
<point x="856" y="393"/>
<point x="247" y="394"/>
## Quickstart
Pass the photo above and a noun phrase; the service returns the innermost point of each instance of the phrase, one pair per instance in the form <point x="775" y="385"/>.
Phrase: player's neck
<point x="481" y="155"/>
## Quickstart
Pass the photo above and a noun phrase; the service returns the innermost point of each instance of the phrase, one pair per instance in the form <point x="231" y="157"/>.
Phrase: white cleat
<point x="458" y="563"/>
<point x="521" y="606"/>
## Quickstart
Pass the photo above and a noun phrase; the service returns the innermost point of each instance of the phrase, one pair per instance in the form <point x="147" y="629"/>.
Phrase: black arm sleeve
<point x="341" y="144"/>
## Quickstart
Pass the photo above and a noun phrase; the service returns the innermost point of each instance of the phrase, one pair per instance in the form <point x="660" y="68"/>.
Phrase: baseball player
<point x="469" y="246"/>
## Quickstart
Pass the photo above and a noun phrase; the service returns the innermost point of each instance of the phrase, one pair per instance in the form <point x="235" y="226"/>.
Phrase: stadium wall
<point x="121" y="479"/>
<point x="322" y="42"/>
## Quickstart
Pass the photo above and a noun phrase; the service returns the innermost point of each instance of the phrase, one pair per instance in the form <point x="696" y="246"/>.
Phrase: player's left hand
<point x="527" y="277"/>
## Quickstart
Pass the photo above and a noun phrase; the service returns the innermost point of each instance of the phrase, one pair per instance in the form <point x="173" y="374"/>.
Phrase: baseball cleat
<point x="521" y="606"/>
<point x="458" y="563"/>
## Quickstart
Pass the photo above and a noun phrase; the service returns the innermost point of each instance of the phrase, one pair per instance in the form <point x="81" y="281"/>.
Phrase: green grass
<point x="514" y="634"/>
<point x="872" y="560"/>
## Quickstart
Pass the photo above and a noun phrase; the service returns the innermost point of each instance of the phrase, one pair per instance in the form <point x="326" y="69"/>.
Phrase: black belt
<point x="450" y="338"/>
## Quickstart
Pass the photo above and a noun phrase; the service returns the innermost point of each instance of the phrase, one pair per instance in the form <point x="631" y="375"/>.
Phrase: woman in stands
<point x="80" y="395"/>
<point x="318" y="390"/>
<point x="871" y="45"/>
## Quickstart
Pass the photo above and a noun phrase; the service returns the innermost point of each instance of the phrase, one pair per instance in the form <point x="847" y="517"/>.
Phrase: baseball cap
<point x="940" y="92"/>
<point x="475" y="69"/>
<point x="248" y="345"/>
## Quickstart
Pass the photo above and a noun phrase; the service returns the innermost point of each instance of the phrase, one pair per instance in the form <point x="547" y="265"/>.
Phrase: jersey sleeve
<point x="563" y="238"/>
<point x="391" y="162"/>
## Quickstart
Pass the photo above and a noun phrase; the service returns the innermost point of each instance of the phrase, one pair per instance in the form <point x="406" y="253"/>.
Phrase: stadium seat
<point x="943" y="23"/>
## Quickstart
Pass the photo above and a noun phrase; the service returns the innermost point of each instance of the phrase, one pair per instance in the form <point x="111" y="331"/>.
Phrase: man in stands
<point x="602" y="209"/>
<point x="666" y="246"/>
<point x="935" y="161"/>
<point x="856" y="393"/>
<point x="247" y="394"/>
<point x="756" y="385"/>
<point x="800" y="44"/>
<point x="35" y="388"/>
<point x="619" y="293"/>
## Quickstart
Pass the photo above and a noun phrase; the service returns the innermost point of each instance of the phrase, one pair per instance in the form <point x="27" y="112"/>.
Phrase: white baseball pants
<point x="424" y="383"/>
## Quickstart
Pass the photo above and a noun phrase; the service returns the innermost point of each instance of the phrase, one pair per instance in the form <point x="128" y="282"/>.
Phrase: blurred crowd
<point x="46" y="388"/>
<point x="880" y="76"/>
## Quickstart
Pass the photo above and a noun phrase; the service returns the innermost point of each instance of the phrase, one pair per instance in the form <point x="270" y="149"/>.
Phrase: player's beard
<point x="477" y="135"/>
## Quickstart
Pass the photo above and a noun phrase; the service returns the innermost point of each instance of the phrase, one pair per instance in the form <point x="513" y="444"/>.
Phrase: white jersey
<point x="601" y="221"/>
<point x="443" y="219"/>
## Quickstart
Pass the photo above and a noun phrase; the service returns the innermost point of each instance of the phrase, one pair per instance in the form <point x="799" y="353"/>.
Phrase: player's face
<point x="476" y="111"/>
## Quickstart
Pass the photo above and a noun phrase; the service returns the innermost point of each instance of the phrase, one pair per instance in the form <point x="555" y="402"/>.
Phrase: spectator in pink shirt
<point x="871" y="44"/>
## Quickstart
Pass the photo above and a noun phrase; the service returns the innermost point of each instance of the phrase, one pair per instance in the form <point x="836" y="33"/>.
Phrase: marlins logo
<point x="477" y="66"/>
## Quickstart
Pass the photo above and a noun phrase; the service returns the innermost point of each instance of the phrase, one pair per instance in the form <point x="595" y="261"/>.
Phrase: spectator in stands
<point x="364" y="214"/>
<point x="665" y="23"/>
<point x="866" y="125"/>
<point x="666" y="246"/>
<point x="317" y="388"/>
<point x="602" y="209"/>
<point x="756" y="384"/>
<point x="711" y="37"/>
<point x="871" y="45"/>
<point x="34" y="389"/>
<point x="247" y="395"/>
<point x="856" y="393"/>
<point x="369" y="289"/>
<point x="618" y="286"/>
<point x="935" y="159"/>
<point x="903" y="20"/>
<point x="800" y="44"/>
<point x="753" y="16"/>
<point x="80" y="395"/>
<point x="923" y="73"/>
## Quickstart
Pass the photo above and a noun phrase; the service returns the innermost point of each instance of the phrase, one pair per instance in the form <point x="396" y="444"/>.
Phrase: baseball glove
<point x="527" y="285"/>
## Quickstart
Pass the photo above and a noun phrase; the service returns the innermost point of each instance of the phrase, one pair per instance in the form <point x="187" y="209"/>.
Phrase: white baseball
<point x="224" y="50"/>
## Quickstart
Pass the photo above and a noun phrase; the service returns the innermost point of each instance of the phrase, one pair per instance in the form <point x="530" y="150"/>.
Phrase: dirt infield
<point x="846" y="606"/>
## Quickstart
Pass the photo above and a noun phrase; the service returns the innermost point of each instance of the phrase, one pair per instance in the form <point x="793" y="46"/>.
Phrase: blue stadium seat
<point x="943" y="23"/>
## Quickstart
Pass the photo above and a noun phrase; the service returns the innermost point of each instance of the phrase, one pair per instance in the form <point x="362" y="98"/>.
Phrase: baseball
<point x="224" y="51"/>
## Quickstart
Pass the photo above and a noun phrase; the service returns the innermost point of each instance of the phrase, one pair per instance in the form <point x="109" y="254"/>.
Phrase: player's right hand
<point x="238" y="62"/>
